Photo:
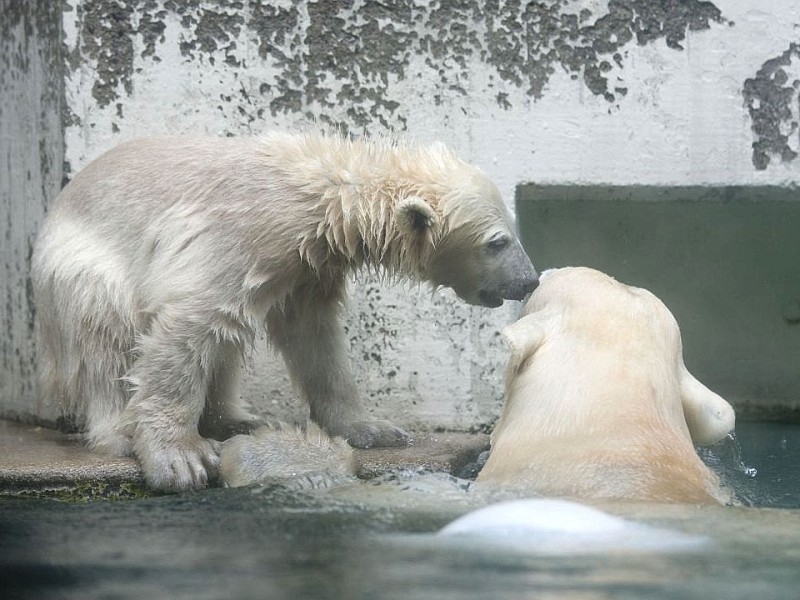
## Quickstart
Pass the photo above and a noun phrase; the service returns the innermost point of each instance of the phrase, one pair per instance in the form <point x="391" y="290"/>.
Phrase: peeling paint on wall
<point x="333" y="53"/>
<point x="528" y="41"/>
<point x="771" y="98"/>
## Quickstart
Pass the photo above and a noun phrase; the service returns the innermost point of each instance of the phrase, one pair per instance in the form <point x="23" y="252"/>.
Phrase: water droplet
<point x="734" y="451"/>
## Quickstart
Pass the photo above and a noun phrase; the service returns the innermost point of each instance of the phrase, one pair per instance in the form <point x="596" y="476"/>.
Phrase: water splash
<point x="725" y="458"/>
<point x="735" y="449"/>
<point x="726" y="455"/>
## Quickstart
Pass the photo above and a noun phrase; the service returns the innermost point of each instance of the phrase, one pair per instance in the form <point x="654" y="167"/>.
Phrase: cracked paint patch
<point x="527" y="42"/>
<point x="106" y="36"/>
<point x="327" y="55"/>
<point x="772" y="98"/>
<point x="214" y="29"/>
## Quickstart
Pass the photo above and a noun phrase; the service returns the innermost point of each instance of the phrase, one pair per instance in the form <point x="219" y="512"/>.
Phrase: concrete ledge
<point x="40" y="462"/>
<point x="449" y="452"/>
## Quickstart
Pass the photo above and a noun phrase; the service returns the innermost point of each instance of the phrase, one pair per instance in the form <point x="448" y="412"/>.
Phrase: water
<point x="761" y="463"/>
<point x="728" y="454"/>
<point x="376" y="540"/>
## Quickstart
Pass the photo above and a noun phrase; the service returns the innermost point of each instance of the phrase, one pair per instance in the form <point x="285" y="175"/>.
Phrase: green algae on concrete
<point x="39" y="462"/>
<point x="78" y="491"/>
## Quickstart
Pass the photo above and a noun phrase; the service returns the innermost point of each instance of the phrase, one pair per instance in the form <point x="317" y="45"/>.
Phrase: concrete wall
<point x="620" y="92"/>
<point x="31" y="157"/>
<point x="724" y="259"/>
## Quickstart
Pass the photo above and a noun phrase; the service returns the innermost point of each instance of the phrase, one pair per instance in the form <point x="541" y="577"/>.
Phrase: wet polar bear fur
<point x="284" y="453"/>
<point x="599" y="404"/>
<point x="162" y="258"/>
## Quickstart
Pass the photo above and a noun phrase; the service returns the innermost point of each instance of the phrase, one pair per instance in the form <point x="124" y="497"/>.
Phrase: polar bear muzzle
<point x="484" y="273"/>
<point x="511" y="275"/>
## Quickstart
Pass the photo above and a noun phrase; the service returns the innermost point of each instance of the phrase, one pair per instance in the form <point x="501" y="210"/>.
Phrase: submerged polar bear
<point x="599" y="403"/>
<point x="160" y="260"/>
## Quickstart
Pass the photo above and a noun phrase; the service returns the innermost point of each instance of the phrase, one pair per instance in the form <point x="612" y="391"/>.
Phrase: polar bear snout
<point x="513" y="287"/>
<point x="484" y="274"/>
<point x="516" y="277"/>
<point x="523" y="287"/>
<point x="515" y="290"/>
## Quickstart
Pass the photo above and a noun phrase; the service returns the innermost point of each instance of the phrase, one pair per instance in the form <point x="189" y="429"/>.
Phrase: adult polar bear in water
<point x="599" y="404"/>
<point x="161" y="259"/>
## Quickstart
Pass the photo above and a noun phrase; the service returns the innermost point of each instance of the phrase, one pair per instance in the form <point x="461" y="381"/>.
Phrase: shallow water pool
<point x="375" y="540"/>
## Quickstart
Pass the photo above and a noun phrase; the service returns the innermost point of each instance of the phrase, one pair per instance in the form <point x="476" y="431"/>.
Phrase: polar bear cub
<point x="599" y="402"/>
<point x="160" y="261"/>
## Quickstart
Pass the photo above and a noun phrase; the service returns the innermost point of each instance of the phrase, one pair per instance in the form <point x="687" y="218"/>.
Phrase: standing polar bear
<point x="161" y="259"/>
<point x="599" y="404"/>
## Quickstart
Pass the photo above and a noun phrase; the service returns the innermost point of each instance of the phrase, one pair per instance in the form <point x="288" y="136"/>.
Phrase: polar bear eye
<point x="497" y="242"/>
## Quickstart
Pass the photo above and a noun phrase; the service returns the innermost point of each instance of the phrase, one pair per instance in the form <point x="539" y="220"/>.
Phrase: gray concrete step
<point x="41" y="462"/>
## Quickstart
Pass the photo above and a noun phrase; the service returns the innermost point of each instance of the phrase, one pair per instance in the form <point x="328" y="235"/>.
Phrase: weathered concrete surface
<point x="575" y="92"/>
<point x="446" y="452"/>
<point x="39" y="461"/>
<point x="42" y="462"/>
<point x="724" y="260"/>
<point x="31" y="157"/>
<point x="771" y="97"/>
<point x="350" y="51"/>
<point x="477" y="75"/>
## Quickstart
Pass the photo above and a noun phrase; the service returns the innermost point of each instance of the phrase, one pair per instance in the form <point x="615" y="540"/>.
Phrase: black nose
<point x="522" y="287"/>
<point x="530" y="284"/>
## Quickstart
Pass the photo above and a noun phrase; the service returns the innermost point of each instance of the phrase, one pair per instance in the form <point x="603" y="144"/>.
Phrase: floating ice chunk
<point x="563" y="527"/>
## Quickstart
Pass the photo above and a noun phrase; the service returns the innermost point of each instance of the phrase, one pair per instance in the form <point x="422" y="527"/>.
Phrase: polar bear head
<point x="479" y="256"/>
<point x="412" y="210"/>
<point x="467" y="230"/>
<point x="592" y="308"/>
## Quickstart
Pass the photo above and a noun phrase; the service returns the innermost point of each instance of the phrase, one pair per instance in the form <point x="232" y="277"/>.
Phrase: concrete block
<point x="723" y="259"/>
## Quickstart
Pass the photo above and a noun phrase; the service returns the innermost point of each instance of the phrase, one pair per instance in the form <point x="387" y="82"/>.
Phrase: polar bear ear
<point x="708" y="416"/>
<point x="415" y="216"/>
<point x="525" y="336"/>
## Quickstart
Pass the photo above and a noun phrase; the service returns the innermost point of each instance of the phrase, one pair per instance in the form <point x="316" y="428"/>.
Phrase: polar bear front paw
<point x="381" y="434"/>
<point x="187" y="465"/>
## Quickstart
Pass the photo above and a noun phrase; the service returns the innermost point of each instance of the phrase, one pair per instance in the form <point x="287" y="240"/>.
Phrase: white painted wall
<point x="683" y="121"/>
